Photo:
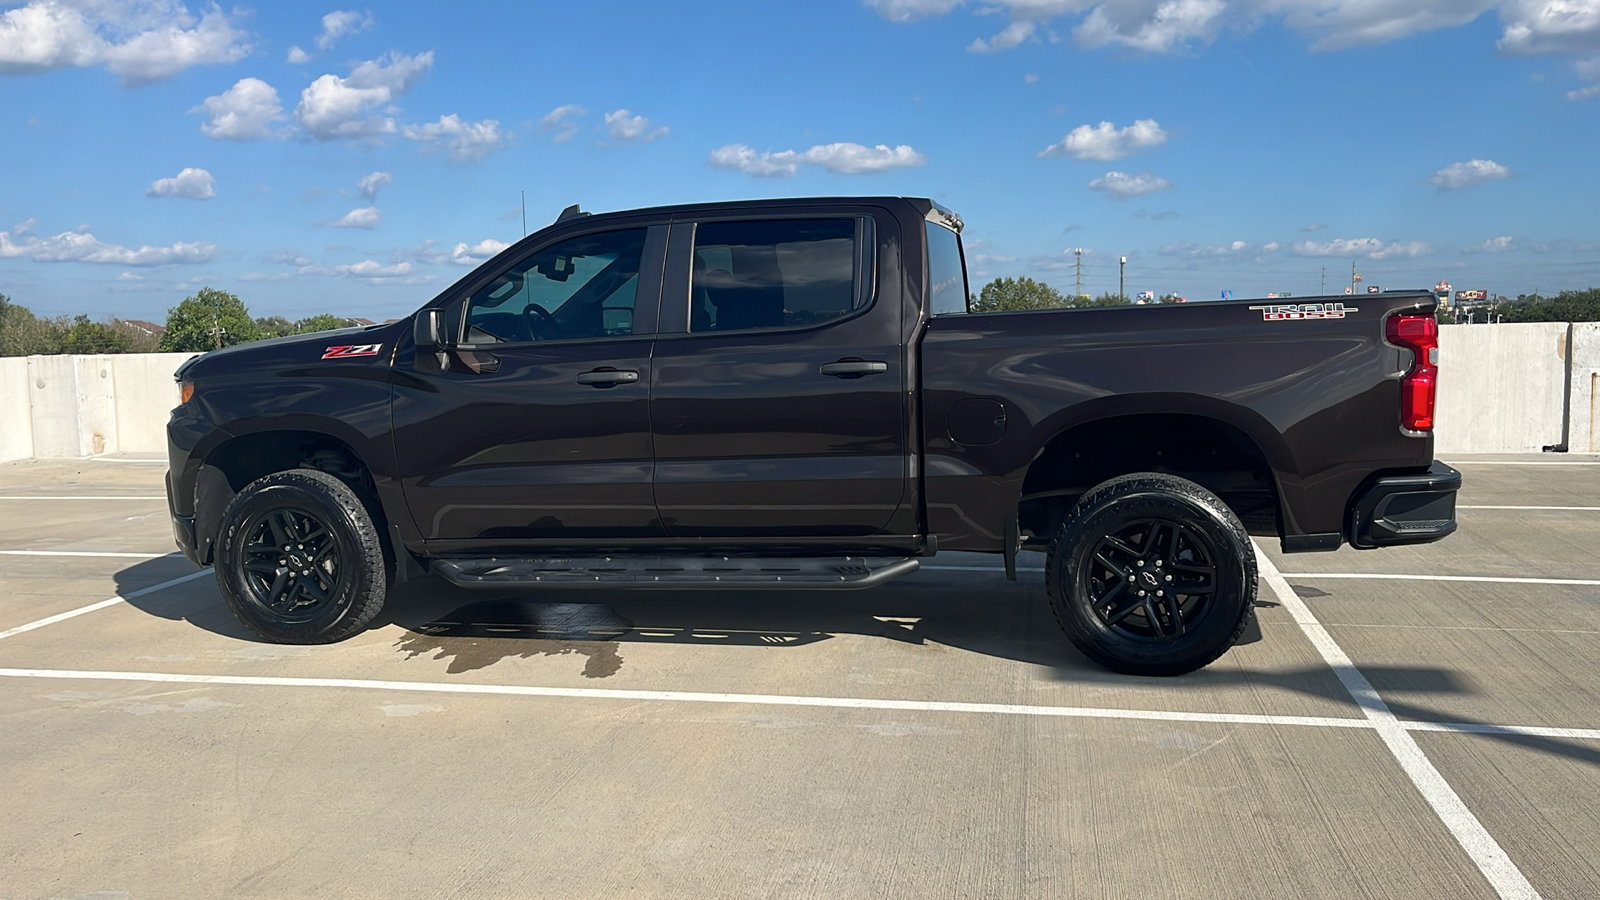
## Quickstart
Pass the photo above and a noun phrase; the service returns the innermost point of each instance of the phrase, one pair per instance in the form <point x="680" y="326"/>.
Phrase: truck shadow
<point x="472" y="630"/>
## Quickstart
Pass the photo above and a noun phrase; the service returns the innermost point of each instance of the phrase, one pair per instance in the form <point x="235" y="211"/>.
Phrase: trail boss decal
<point x="350" y="350"/>
<point x="1289" y="311"/>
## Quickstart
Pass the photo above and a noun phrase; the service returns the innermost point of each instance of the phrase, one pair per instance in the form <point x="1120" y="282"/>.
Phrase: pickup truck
<point x="796" y="394"/>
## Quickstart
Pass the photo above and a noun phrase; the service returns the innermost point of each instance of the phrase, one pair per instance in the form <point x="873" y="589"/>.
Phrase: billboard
<point x="1471" y="296"/>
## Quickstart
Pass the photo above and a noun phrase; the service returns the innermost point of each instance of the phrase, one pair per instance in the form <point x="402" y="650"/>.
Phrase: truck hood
<point x="369" y="343"/>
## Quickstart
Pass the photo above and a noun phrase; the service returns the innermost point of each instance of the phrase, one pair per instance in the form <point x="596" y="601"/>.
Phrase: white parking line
<point x="109" y="601"/>
<point x="1562" y="508"/>
<point x="1586" y="734"/>
<point x="80" y="497"/>
<point x="96" y="553"/>
<point x="1485" y="852"/>
<point x="1480" y="579"/>
<point x="1518" y="462"/>
<point x="1003" y="709"/>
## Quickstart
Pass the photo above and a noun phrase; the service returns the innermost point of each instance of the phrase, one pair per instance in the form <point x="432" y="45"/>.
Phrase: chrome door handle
<point x="854" y="368"/>
<point x="607" y="377"/>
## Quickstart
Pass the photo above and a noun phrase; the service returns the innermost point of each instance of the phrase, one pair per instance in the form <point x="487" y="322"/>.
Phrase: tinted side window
<point x="584" y="287"/>
<point x="947" y="277"/>
<point x="775" y="274"/>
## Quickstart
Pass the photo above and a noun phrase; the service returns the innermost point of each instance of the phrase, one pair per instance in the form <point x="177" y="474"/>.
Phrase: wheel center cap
<point x="295" y="561"/>
<point x="1149" y="578"/>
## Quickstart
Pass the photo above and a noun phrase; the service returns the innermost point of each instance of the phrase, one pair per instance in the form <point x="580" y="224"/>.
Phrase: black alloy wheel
<point x="292" y="565"/>
<point x="1152" y="574"/>
<point x="1153" y="580"/>
<point x="300" y="560"/>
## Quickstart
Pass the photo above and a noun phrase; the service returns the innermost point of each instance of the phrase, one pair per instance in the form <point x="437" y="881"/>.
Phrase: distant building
<point x="149" y="328"/>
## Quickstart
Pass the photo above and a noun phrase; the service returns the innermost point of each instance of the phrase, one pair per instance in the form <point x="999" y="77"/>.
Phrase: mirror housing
<point x="426" y="330"/>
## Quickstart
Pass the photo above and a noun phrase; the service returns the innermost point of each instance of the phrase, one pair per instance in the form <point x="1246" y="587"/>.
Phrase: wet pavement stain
<point x="481" y="634"/>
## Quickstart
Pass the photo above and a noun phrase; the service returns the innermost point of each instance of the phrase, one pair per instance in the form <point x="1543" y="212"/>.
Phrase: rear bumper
<point x="1405" y="509"/>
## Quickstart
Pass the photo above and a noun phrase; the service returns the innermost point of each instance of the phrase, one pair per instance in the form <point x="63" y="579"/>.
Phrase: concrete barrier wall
<point x="79" y="406"/>
<point x="16" y="415"/>
<point x="1502" y="388"/>
<point x="1584" y="430"/>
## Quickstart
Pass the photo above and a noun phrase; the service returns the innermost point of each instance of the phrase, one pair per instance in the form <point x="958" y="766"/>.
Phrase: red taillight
<point x="1420" y="334"/>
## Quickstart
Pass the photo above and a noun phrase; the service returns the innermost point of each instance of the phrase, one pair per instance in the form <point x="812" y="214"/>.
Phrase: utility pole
<point x="1324" y="279"/>
<point x="1122" y="281"/>
<point x="1078" y="291"/>
<point x="216" y="330"/>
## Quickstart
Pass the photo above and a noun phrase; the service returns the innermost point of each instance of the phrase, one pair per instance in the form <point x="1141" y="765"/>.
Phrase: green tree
<point x="209" y="319"/>
<point x="1006" y="294"/>
<point x="1567" y="306"/>
<point x="1105" y="299"/>
<point x="24" y="334"/>
<point x="88" y="338"/>
<point x="274" y="326"/>
<point x="323" y="322"/>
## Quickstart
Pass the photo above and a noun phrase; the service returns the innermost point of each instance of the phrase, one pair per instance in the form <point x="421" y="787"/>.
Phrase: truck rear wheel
<point x="1152" y="575"/>
<point x="299" y="559"/>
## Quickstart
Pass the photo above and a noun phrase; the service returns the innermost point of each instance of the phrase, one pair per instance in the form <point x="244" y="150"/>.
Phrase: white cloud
<point x="1166" y="27"/>
<point x="371" y="269"/>
<point x="464" y="255"/>
<point x="1550" y="26"/>
<point x="468" y="141"/>
<point x="363" y="217"/>
<point x="1009" y="37"/>
<point x="1106" y="142"/>
<point x="297" y="57"/>
<point x="196" y="184"/>
<point x="908" y="10"/>
<point x="1337" y="24"/>
<point x="625" y="126"/>
<point x="1466" y="174"/>
<point x="844" y="159"/>
<point x="1370" y="248"/>
<point x="333" y="107"/>
<point x="339" y="23"/>
<point x="81" y="246"/>
<point x="369" y="185"/>
<point x="25" y="226"/>
<point x="141" y="40"/>
<point x="289" y="258"/>
<point x="1121" y="185"/>
<point x="1315" y="226"/>
<point x="244" y="112"/>
<point x="1501" y="244"/>
<point x="560" y="120"/>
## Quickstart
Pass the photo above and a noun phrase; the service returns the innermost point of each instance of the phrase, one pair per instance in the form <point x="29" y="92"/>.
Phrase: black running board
<point x="674" y="573"/>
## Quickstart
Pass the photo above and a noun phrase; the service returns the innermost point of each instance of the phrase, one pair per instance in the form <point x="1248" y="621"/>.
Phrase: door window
<point x="777" y="273"/>
<point x="583" y="287"/>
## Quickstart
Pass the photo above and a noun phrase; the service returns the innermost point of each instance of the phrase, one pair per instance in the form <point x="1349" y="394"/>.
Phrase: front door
<point x="779" y="395"/>
<point x="535" y="425"/>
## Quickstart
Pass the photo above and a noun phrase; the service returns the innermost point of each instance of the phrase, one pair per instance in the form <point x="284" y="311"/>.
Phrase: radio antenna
<point x="524" y="213"/>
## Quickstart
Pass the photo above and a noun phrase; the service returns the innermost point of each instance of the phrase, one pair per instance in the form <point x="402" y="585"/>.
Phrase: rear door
<point x="778" y="400"/>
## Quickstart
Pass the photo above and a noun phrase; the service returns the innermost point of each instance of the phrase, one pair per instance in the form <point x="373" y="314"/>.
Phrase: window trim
<point x="646" y="308"/>
<point x="680" y="263"/>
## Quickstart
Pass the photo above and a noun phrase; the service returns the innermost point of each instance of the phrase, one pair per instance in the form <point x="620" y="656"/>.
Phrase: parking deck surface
<point x="1414" y="722"/>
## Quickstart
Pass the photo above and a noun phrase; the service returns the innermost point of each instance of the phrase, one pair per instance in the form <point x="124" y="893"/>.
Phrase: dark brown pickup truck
<point x="794" y="394"/>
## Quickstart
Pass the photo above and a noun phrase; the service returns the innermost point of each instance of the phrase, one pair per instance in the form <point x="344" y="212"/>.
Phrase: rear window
<point x="947" y="276"/>
<point x="776" y="273"/>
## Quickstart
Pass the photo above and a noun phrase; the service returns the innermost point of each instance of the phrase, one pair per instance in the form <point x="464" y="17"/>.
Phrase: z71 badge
<point x="350" y="350"/>
<point x="1289" y="311"/>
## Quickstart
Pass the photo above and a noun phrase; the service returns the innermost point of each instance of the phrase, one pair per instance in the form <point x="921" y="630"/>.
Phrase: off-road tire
<point x="338" y="580"/>
<point x="1088" y="559"/>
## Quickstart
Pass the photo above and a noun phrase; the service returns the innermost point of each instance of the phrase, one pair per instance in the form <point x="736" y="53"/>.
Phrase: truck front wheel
<point x="1152" y="575"/>
<point x="299" y="559"/>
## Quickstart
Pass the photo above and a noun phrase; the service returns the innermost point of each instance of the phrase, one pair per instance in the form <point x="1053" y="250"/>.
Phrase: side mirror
<point x="427" y="330"/>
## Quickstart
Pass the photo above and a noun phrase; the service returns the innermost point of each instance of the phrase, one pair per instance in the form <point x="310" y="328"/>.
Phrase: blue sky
<point x="359" y="159"/>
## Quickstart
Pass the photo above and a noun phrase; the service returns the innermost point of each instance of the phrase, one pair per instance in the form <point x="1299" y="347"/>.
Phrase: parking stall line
<point x="92" y="553"/>
<point x="1582" y="734"/>
<point x="1513" y="462"/>
<point x="150" y="497"/>
<point x="1555" y="508"/>
<point x="936" y="706"/>
<point x="109" y="601"/>
<point x="1484" y="851"/>
<point x="1476" y="579"/>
